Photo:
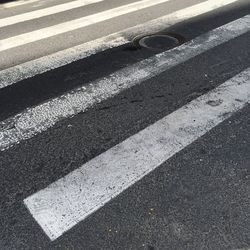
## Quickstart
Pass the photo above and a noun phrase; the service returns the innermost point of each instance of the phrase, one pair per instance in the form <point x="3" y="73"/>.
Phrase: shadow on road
<point x="7" y="1"/>
<point x="40" y="88"/>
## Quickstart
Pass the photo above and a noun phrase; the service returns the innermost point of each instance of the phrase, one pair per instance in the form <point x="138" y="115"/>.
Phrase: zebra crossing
<point x="69" y="199"/>
<point x="40" y="118"/>
<point x="28" y="69"/>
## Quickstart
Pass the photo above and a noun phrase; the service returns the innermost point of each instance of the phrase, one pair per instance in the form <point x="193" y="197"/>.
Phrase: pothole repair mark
<point x="159" y="42"/>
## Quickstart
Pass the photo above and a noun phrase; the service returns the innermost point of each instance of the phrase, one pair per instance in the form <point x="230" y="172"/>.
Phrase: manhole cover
<point x="159" y="42"/>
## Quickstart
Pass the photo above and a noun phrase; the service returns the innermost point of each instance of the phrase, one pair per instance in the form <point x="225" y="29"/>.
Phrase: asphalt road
<point x="61" y="111"/>
<point x="53" y="44"/>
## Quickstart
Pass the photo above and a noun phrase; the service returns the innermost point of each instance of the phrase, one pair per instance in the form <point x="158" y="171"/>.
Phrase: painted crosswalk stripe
<point x="61" y="28"/>
<point x="29" y="69"/>
<point x="37" y="119"/>
<point x="45" y="12"/>
<point x="71" y="199"/>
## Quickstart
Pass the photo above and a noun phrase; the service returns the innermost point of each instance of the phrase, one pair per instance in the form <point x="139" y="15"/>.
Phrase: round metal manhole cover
<point x="159" y="42"/>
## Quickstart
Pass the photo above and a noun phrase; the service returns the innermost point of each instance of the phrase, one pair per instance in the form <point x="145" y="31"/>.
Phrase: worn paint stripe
<point x="61" y="28"/>
<point x="45" y="12"/>
<point x="29" y="69"/>
<point x="37" y="119"/>
<point x="71" y="199"/>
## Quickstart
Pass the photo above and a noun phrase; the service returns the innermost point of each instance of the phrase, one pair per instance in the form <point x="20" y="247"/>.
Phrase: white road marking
<point x="45" y="12"/>
<point x="29" y="69"/>
<point x="37" y="119"/>
<point x="71" y="199"/>
<point x="61" y="28"/>
<point x="16" y="3"/>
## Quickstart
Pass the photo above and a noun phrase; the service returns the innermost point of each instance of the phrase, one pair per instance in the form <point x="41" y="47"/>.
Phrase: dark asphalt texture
<point x="30" y="92"/>
<point x="199" y="199"/>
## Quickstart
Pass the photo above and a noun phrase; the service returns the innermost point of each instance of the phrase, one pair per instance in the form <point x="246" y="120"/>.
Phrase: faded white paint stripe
<point x="29" y="69"/>
<point x="45" y="12"/>
<point x="34" y="120"/>
<point x="61" y="28"/>
<point x="71" y="199"/>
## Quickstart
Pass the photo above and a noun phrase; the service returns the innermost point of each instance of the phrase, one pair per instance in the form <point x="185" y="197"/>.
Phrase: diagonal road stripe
<point x="61" y="28"/>
<point x="45" y="12"/>
<point x="37" y="119"/>
<point x="29" y="69"/>
<point x="71" y="199"/>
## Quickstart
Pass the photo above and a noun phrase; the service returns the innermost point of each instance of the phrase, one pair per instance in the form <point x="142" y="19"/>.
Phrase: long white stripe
<point x="45" y="12"/>
<point x="29" y="69"/>
<point x="75" y="24"/>
<point x="39" y="118"/>
<point x="71" y="199"/>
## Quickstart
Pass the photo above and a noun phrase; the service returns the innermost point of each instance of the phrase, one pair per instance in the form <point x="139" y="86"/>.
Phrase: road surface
<point x="107" y="145"/>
